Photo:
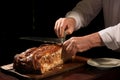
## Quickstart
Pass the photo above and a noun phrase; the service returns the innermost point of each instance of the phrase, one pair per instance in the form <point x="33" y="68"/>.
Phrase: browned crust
<point x="43" y="50"/>
<point x="28" y="60"/>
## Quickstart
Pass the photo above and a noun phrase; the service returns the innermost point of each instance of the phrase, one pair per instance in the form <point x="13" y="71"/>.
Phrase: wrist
<point x="95" y="40"/>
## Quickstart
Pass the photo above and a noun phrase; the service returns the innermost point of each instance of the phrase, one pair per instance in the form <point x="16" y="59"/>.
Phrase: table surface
<point x="85" y="72"/>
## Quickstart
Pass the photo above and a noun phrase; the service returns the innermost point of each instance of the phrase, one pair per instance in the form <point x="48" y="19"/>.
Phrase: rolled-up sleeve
<point x="111" y="37"/>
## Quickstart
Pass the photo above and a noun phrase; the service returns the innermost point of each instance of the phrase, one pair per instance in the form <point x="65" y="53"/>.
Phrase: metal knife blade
<point x="42" y="39"/>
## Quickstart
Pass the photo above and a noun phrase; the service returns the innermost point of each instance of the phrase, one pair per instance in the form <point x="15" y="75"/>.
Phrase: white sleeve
<point x="111" y="37"/>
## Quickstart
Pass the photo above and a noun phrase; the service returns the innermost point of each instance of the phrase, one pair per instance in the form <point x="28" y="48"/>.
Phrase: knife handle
<point x="63" y="38"/>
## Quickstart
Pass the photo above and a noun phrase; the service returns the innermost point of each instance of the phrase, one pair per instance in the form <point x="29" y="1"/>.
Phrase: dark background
<point x="37" y="18"/>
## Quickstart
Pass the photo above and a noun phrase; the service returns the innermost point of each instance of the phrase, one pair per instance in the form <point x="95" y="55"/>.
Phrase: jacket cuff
<point x="78" y="18"/>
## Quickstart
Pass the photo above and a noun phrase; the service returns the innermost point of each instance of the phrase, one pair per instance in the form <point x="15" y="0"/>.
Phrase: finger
<point x="62" y="27"/>
<point x="67" y="46"/>
<point x="57" y="27"/>
<point x="71" y="49"/>
<point x="68" y="31"/>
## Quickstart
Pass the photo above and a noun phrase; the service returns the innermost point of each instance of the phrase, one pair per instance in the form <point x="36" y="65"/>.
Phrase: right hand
<point x="64" y="25"/>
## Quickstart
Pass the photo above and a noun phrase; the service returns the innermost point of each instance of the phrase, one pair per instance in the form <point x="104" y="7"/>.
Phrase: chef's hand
<point x="80" y="44"/>
<point x="64" y="25"/>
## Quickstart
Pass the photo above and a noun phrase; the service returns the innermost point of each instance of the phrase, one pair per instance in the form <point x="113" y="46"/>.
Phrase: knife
<point x="43" y="39"/>
<point x="46" y="39"/>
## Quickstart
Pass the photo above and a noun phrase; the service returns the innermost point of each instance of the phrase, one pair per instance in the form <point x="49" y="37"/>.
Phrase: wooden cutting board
<point x="66" y="67"/>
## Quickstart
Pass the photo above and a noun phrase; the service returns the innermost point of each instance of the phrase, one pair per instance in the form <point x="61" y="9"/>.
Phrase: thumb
<point x="68" y="31"/>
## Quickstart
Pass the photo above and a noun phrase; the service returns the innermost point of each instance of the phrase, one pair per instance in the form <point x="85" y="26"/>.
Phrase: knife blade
<point x="42" y="39"/>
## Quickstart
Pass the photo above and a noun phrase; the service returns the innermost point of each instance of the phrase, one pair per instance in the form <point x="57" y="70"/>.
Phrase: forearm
<point x="109" y="37"/>
<point x="94" y="40"/>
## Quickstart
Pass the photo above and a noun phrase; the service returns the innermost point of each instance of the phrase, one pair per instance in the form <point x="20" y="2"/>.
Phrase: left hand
<point x="76" y="44"/>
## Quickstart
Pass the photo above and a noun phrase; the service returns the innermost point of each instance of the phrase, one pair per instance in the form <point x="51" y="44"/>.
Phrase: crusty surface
<point x="30" y="60"/>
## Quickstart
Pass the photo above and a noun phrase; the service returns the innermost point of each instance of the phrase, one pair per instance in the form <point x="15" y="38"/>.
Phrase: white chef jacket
<point x="86" y="10"/>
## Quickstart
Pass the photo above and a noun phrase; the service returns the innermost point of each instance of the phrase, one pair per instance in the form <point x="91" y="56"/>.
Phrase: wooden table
<point x="6" y="77"/>
<point x="89" y="73"/>
<point x="85" y="72"/>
